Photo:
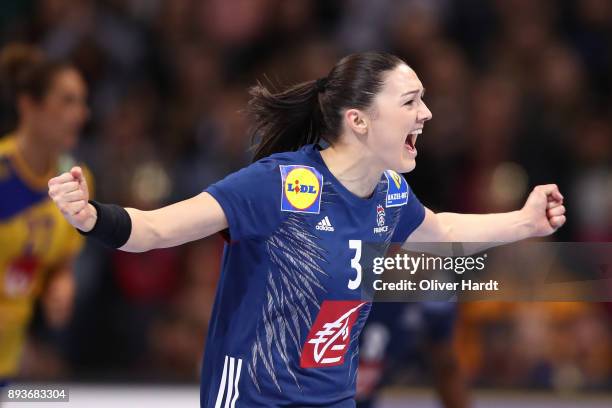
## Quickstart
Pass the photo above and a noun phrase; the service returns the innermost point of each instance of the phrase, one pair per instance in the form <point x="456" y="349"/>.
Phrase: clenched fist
<point x="70" y="194"/>
<point x="545" y="210"/>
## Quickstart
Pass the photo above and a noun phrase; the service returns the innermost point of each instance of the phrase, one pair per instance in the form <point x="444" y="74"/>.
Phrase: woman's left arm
<point x="542" y="214"/>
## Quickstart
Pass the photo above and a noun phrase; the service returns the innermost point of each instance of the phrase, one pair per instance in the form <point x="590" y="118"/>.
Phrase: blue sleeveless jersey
<point x="289" y="309"/>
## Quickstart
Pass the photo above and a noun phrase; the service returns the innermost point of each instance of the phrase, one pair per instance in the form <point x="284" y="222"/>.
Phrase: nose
<point x="424" y="114"/>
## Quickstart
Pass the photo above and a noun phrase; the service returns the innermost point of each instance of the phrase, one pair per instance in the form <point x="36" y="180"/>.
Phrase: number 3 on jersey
<point x="356" y="245"/>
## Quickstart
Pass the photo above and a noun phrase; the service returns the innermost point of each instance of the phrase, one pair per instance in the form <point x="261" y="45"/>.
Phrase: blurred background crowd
<point x="520" y="94"/>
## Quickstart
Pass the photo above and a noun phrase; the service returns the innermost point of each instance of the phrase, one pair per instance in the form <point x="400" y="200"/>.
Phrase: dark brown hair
<point x="284" y="120"/>
<point x="25" y="70"/>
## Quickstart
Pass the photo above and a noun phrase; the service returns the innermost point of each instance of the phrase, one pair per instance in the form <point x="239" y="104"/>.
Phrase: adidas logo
<point x="325" y="225"/>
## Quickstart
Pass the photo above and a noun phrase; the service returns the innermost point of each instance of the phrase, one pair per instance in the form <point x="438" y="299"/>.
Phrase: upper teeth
<point x="417" y="132"/>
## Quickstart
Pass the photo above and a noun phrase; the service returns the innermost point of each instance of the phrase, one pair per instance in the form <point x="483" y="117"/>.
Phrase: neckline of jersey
<point x="33" y="180"/>
<point x="350" y="197"/>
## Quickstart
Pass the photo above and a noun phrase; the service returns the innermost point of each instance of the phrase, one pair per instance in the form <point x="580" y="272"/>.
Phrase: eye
<point x="410" y="102"/>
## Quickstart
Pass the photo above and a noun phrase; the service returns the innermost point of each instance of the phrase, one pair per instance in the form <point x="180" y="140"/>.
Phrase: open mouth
<point x="411" y="139"/>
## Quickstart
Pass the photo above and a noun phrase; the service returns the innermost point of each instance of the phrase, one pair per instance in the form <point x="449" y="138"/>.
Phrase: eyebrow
<point x="411" y="92"/>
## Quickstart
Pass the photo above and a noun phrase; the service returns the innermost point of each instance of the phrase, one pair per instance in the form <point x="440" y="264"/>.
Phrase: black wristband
<point x="113" y="226"/>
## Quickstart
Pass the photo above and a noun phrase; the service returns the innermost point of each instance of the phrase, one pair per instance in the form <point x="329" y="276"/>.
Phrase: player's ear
<point x="356" y="120"/>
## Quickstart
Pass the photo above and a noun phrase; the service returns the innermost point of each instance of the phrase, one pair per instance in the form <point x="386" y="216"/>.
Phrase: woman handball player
<point x="326" y="178"/>
<point x="46" y="101"/>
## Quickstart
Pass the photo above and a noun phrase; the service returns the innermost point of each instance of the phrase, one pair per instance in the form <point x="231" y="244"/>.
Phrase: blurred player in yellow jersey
<point x="37" y="246"/>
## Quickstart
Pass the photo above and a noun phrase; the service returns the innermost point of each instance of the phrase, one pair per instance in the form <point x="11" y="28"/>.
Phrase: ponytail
<point x="305" y="113"/>
<point x="285" y="120"/>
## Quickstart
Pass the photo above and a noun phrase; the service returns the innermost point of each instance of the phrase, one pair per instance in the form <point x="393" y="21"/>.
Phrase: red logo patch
<point x="20" y="276"/>
<point x="329" y="336"/>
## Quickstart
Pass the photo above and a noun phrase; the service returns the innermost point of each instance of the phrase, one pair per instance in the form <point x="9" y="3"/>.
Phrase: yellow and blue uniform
<point x="35" y="239"/>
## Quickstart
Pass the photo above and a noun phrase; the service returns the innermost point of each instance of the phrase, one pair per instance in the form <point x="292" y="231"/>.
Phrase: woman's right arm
<point x="176" y="224"/>
<point x="173" y="225"/>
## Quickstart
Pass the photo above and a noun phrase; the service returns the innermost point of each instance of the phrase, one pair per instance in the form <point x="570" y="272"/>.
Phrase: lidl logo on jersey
<point x="330" y="335"/>
<point x="302" y="187"/>
<point x="397" y="190"/>
<point x="380" y="220"/>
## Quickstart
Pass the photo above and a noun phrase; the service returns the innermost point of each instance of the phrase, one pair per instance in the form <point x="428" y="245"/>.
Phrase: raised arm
<point x="173" y="225"/>
<point x="542" y="215"/>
